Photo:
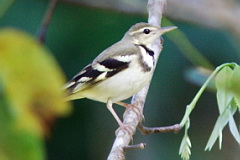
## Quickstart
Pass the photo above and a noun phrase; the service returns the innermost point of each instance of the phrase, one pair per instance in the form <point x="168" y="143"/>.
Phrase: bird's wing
<point x="103" y="67"/>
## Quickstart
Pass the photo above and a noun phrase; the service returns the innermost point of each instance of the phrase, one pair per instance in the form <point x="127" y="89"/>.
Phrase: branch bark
<point x="217" y="14"/>
<point x="151" y="130"/>
<point x="155" y="10"/>
<point x="46" y="20"/>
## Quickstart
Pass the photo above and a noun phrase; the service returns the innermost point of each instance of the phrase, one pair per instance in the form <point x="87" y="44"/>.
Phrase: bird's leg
<point x="110" y="108"/>
<point x="135" y="108"/>
<point x="120" y="123"/>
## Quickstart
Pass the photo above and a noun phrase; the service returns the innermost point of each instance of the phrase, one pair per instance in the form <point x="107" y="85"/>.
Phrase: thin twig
<point x="155" y="10"/>
<point x="150" y="130"/>
<point x="46" y="20"/>
<point x="135" y="146"/>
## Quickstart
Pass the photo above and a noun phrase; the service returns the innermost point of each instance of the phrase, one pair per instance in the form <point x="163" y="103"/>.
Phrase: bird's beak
<point x="167" y="29"/>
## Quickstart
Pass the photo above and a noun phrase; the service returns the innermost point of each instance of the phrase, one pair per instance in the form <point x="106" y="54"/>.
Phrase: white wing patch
<point x="69" y="85"/>
<point x="126" y="58"/>
<point x="84" y="79"/>
<point x="101" y="77"/>
<point x="101" y="68"/>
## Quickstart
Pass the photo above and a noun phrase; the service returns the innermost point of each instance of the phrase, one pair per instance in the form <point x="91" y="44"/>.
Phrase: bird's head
<point x="146" y="34"/>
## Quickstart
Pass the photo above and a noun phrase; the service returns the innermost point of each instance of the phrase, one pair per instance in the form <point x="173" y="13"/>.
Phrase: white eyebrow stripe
<point x="134" y="32"/>
<point x="141" y="30"/>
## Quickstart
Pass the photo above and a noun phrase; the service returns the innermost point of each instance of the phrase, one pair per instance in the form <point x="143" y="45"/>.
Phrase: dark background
<point x="77" y="34"/>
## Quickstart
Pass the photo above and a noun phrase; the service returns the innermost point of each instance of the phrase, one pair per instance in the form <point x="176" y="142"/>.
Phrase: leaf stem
<point x="191" y="106"/>
<point x="46" y="20"/>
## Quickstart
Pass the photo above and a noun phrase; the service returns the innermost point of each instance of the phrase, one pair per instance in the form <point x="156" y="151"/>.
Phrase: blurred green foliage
<point x="4" y="5"/>
<point x="77" y="34"/>
<point x="185" y="46"/>
<point x="31" y="96"/>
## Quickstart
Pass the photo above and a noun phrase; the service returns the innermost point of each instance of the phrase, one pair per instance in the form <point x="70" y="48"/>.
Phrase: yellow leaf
<point x="32" y="82"/>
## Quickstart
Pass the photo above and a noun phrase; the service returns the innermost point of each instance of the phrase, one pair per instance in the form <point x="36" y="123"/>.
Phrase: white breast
<point x="122" y="85"/>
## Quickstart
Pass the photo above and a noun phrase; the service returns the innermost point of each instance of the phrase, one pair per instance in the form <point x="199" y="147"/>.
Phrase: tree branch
<point x="150" y="130"/>
<point x="218" y="14"/>
<point x="46" y="20"/>
<point x="155" y="10"/>
<point x="135" y="146"/>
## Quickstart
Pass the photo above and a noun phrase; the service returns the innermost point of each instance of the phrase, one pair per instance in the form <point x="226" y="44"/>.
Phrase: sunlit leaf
<point x="232" y="124"/>
<point x="235" y="84"/>
<point x="222" y="120"/>
<point x="220" y="139"/>
<point x="224" y="95"/>
<point x="217" y="131"/>
<point x="234" y="129"/>
<point x="227" y="106"/>
<point x="192" y="105"/>
<point x="185" y="147"/>
<point x="31" y="95"/>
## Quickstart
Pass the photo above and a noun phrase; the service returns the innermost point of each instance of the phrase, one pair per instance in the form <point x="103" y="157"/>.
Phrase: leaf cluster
<point x="227" y="78"/>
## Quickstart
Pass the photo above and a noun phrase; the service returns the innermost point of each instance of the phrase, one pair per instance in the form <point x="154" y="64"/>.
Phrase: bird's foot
<point x="125" y="128"/>
<point x="135" y="109"/>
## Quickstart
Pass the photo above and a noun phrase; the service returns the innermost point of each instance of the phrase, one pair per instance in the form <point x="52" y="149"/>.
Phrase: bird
<point x="119" y="71"/>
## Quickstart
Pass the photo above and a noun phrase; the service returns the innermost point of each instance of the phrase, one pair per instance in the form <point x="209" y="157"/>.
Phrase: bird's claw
<point x="136" y="110"/>
<point x="125" y="128"/>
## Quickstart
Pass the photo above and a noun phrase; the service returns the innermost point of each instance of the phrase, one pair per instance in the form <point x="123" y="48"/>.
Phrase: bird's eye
<point x="146" y="31"/>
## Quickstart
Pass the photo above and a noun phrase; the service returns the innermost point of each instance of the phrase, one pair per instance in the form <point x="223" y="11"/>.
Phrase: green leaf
<point x="192" y="105"/>
<point x="232" y="124"/>
<point x="227" y="107"/>
<point x="224" y="95"/>
<point x="185" y="147"/>
<point x="222" y="120"/>
<point x="235" y="85"/>
<point x="31" y="96"/>
<point x="217" y="131"/>
<point x="234" y="129"/>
